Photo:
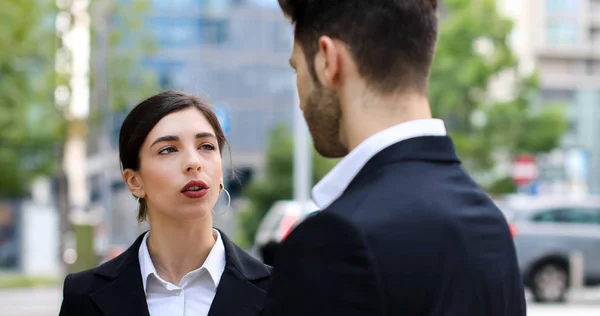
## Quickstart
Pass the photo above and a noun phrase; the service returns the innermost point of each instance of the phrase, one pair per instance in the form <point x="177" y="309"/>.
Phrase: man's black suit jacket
<point x="411" y="235"/>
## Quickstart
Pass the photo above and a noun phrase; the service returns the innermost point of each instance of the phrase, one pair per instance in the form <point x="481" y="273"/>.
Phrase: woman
<point x="170" y="147"/>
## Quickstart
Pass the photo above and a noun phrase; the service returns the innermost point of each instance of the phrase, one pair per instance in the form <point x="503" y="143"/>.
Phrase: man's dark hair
<point x="392" y="41"/>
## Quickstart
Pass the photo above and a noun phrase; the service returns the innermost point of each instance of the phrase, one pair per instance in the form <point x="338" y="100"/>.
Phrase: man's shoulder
<point x="325" y="229"/>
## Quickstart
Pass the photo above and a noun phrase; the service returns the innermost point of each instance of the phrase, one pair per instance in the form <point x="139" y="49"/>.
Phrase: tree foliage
<point x="473" y="51"/>
<point x="129" y="43"/>
<point x="31" y="126"/>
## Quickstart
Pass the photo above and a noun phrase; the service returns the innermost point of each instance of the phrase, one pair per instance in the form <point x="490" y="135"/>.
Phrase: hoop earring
<point x="228" y="204"/>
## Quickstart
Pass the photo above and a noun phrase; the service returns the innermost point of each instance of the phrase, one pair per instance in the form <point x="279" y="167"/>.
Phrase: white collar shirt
<point x="333" y="185"/>
<point x="194" y="294"/>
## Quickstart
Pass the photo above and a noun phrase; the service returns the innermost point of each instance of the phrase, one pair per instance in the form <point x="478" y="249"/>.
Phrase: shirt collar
<point x="214" y="263"/>
<point x="333" y="185"/>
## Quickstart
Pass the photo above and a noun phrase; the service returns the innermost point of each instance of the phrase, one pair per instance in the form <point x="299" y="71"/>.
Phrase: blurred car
<point x="281" y="218"/>
<point x="547" y="234"/>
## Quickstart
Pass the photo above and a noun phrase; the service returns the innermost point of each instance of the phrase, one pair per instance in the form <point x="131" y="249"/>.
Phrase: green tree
<point x="118" y="80"/>
<point x="130" y="81"/>
<point x="472" y="51"/>
<point x="128" y="44"/>
<point x="31" y="126"/>
<point x="277" y="183"/>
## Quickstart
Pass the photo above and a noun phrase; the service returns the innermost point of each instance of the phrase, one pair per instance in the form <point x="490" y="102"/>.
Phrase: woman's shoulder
<point x="89" y="280"/>
<point x="78" y="283"/>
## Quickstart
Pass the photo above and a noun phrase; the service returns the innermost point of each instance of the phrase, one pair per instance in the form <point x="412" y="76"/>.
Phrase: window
<point x="572" y="126"/>
<point x="561" y="33"/>
<point x="589" y="66"/>
<point x="569" y="215"/>
<point x="183" y="32"/>
<point x="562" y="6"/>
<point x="168" y="71"/>
<point x="175" y="5"/>
<point x="595" y="5"/>
<point x="213" y="31"/>
<point x="580" y="216"/>
<point x="546" y="217"/>
<point x="560" y="95"/>
<point x="272" y="4"/>
<point x="595" y="36"/>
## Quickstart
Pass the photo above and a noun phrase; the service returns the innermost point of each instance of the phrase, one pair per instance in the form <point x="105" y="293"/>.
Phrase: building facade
<point x="561" y="40"/>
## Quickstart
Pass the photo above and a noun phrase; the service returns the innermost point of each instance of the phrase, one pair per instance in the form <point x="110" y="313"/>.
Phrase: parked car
<point x="547" y="234"/>
<point x="281" y="218"/>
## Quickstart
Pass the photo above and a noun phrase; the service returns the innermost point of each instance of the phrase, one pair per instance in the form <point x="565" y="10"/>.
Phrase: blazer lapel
<point x="236" y="294"/>
<point x="124" y="293"/>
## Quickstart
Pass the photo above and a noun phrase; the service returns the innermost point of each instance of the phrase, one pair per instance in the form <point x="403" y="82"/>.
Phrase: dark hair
<point x="144" y="116"/>
<point x="392" y="41"/>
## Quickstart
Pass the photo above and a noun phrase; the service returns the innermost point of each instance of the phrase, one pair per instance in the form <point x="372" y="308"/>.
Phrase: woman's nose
<point x="193" y="163"/>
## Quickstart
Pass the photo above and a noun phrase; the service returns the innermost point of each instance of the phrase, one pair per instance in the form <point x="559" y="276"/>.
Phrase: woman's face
<point x="180" y="167"/>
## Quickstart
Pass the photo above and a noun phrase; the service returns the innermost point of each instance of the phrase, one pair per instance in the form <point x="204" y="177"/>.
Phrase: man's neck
<point x="368" y="115"/>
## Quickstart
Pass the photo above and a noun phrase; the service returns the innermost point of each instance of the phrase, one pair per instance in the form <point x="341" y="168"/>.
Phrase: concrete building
<point x="561" y="39"/>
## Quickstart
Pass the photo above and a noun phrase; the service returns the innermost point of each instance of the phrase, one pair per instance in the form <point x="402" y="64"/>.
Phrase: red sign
<point x="524" y="169"/>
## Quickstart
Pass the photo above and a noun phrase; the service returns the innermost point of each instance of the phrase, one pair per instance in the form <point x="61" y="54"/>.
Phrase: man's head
<point x="386" y="46"/>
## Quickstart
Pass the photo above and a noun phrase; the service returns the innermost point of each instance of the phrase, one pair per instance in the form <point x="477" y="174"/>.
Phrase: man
<point x="403" y="229"/>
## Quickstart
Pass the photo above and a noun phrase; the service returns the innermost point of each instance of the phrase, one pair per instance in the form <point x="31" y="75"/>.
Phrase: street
<point x="46" y="302"/>
<point x="30" y="302"/>
<point x="564" y="310"/>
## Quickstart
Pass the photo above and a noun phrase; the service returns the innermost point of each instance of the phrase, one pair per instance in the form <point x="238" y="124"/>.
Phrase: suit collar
<point x="337" y="180"/>
<point x="248" y="267"/>
<point x="113" y="268"/>
<point x="124" y="294"/>
<point x="435" y="149"/>
<point x="214" y="263"/>
<point x="237" y="295"/>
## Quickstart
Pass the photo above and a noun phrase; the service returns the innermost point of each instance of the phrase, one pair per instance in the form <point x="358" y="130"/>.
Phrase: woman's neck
<point x="176" y="250"/>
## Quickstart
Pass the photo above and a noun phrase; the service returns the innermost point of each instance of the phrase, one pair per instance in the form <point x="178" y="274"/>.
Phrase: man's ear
<point x="327" y="62"/>
<point x="134" y="183"/>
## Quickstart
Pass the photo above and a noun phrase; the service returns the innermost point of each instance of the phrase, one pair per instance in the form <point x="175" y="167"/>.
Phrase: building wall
<point x="235" y="55"/>
<point x="561" y="38"/>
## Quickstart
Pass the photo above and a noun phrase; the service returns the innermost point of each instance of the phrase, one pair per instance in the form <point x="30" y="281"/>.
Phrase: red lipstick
<point x="195" y="189"/>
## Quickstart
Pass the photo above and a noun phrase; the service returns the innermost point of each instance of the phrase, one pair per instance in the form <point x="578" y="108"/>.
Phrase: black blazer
<point x="411" y="235"/>
<point x="115" y="287"/>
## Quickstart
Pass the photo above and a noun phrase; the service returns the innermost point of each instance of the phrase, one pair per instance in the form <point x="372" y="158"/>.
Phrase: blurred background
<point x="516" y="82"/>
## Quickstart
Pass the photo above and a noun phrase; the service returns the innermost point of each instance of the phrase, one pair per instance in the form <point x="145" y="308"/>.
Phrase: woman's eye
<point x="207" y="147"/>
<point x="167" y="150"/>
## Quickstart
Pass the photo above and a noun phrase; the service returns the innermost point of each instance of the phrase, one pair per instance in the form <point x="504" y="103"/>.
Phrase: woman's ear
<point x="134" y="183"/>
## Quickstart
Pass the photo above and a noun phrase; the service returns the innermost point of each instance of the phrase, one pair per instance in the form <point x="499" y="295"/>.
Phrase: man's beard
<point x="323" y="113"/>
